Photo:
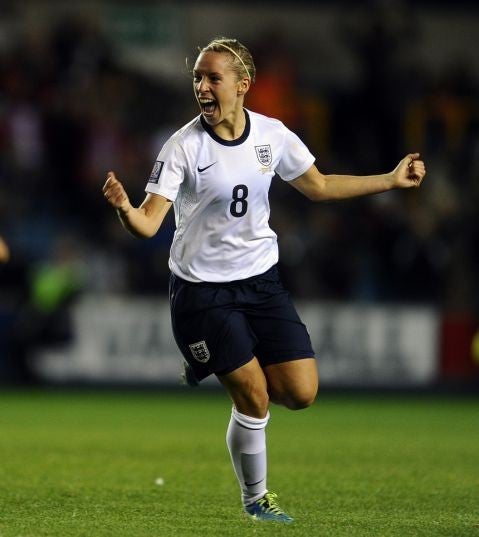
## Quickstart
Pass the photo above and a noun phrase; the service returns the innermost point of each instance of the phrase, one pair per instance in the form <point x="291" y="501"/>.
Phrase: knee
<point x="293" y="384"/>
<point x="301" y="400"/>
<point x="256" y="406"/>
<point x="248" y="389"/>
<point x="252" y="402"/>
<point x="297" y="399"/>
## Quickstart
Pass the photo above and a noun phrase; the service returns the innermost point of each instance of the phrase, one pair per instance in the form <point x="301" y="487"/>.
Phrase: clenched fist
<point x="4" y="251"/>
<point x="409" y="172"/>
<point x="115" y="194"/>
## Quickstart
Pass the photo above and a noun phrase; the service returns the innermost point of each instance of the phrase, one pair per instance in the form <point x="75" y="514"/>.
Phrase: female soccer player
<point x="231" y="316"/>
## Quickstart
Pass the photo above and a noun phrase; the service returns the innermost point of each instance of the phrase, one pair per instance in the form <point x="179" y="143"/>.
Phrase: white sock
<point x="246" y="440"/>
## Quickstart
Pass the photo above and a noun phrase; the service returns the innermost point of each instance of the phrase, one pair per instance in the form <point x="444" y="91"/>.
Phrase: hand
<point x="4" y="251"/>
<point x="115" y="194"/>
<point x="409" y="172"/>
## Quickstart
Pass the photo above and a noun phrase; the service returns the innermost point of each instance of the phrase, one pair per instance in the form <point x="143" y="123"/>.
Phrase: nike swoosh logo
<point x="203" y="169"/>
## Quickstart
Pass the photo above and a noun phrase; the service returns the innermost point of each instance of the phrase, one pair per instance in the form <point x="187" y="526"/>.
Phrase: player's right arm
<point x="143" y="221"/>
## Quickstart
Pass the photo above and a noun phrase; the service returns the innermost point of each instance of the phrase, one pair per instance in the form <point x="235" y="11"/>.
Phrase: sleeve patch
<point x="156" y="172"/>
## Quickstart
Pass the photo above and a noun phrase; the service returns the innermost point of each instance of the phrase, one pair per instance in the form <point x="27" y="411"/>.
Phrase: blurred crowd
<point x="70" y="111"/>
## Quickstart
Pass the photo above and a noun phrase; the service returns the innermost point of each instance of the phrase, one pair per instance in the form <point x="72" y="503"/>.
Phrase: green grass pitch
<point x="84" y="463"/>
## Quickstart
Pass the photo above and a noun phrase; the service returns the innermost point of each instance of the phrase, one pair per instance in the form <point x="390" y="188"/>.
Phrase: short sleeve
<point x="168" y="171"/>
<point x="295" y="158"/>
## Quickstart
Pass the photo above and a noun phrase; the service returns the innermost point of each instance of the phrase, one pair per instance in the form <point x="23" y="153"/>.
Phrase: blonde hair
<point x="242" y="61"/>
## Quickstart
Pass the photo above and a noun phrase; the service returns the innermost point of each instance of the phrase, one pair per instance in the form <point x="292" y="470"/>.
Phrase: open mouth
<point x="208" y="106"/>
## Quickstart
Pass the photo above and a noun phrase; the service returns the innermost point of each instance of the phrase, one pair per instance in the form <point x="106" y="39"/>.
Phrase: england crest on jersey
<point x="263" y="152"/>
<point x="200" y="351"/>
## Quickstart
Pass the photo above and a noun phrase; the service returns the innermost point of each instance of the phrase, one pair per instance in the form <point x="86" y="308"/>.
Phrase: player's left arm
<point x="409" y="173"/>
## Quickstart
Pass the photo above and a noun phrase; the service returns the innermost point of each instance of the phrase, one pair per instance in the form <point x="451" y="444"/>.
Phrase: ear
<point x="243" y="86"/>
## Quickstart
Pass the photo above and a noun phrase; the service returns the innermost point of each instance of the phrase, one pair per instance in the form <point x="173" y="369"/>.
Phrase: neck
<point x="231" y="127"/>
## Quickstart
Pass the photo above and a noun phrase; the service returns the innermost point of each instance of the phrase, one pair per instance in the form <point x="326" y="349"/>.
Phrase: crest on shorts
<point x="263" y="152"/>
<point x="200" y="351"/>
<point x="156" y="171"/>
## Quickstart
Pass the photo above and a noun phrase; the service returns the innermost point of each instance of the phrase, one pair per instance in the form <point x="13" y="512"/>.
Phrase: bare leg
<point x="293" y="384"/>
<point x="248" y="390"/>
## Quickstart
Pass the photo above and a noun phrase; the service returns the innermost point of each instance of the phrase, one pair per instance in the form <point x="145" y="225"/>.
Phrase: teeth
<point x="206" y="101"/>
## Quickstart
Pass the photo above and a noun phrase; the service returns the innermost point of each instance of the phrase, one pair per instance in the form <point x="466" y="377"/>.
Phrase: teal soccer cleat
<point x="266" y="509"/>
<point x="188" y="377"/>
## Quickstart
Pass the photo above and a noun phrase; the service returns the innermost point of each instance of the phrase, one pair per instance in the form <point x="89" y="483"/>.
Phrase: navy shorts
<point x="221" y="326"/>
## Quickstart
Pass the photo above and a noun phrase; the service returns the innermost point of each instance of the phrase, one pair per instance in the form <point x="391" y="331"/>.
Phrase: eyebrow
<point x="214" y="73"/>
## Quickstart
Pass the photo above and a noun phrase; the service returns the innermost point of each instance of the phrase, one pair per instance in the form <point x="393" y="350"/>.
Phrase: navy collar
<point x="238" y="141"/>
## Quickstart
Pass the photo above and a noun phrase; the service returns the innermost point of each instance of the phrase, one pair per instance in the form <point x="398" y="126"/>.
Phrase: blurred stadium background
<point x="387" y="285"/>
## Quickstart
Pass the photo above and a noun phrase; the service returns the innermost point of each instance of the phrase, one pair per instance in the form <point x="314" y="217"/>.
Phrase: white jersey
<point x="219" y="190"/>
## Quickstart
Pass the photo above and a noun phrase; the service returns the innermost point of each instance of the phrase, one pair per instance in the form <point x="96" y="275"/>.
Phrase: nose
<point x="201" y="85"/>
